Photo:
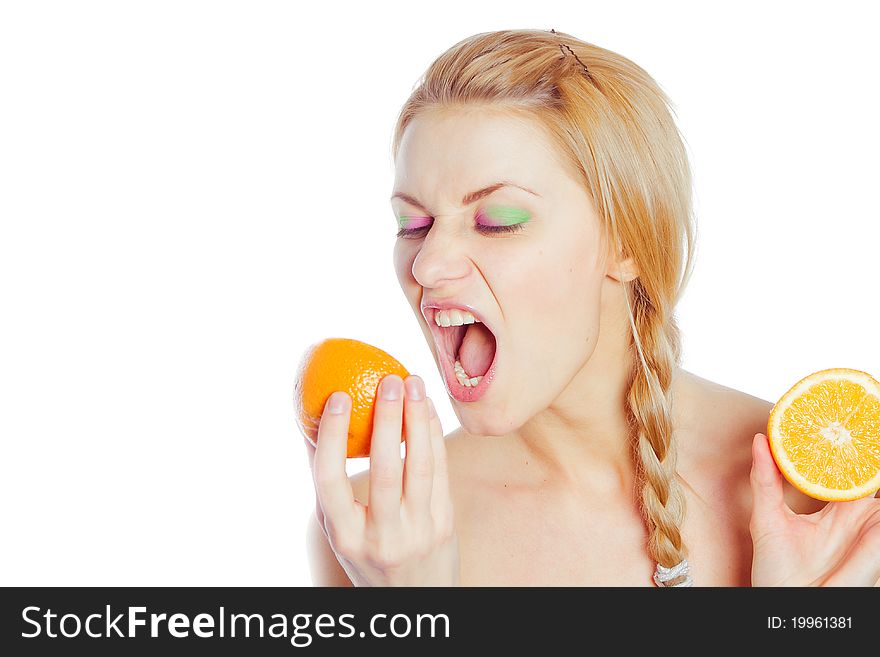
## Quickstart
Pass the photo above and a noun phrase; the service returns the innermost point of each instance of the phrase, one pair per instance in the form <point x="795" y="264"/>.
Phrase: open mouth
<point x="468" y="355"/>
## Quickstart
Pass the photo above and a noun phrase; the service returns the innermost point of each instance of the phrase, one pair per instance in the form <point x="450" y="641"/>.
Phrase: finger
<point x="441" y="505"/>
<point x="861" y="566"/>
<point x="848" y="514"/>
<point x="331" y="481"/>
<point x="386" y="468"/>
<point x="766" y="483"/>
<point x="418" y="468"/>
<point x="310" y="450"/>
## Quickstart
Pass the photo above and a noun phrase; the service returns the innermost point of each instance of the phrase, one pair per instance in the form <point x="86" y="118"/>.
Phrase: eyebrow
<point x="470" y="198"/>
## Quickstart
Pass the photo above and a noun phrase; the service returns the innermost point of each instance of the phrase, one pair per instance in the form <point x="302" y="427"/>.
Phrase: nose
<point x="441" y="260"/>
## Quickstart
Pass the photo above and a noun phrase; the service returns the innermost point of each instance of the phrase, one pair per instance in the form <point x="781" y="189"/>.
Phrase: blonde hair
<point x="612" y="122"/>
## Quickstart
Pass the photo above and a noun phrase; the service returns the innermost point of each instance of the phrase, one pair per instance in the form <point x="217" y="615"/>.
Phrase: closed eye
<point x="488" y="230"/>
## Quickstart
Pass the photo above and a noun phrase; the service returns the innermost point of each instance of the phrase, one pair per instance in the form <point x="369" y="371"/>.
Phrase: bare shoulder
<point x="732" y="418"/>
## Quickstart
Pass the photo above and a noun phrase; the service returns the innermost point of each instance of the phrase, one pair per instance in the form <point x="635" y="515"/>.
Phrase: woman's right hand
<point x="406" y="535"/>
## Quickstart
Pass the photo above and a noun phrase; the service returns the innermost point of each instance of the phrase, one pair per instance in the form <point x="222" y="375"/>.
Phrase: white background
<point x="191" y="193"/>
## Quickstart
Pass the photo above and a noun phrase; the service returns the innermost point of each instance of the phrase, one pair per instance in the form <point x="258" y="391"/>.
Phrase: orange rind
<point x="824" y="434"/>
<point x="352" y="366"/>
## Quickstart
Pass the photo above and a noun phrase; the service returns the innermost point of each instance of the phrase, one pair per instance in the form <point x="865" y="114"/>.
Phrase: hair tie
<point x="664" y="575"/>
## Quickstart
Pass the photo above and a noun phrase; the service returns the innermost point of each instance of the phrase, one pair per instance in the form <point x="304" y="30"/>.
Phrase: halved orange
<point x="824" y="434"/>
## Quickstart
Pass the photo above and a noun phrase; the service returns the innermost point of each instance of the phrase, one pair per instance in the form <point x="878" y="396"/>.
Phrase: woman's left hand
<point x="838" y="545"/>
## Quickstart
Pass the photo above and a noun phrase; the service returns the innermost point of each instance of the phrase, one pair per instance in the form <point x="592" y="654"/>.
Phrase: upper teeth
<point x="454" y="317"/>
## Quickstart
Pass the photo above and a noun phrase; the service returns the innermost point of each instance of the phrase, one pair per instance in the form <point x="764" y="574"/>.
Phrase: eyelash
<point x="406" y="232"/>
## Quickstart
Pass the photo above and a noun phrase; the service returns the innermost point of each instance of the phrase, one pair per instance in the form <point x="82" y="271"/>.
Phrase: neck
<point x="582" y="439"/>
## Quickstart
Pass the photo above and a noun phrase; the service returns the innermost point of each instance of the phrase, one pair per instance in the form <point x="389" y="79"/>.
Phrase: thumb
<point x="767" y="493"/>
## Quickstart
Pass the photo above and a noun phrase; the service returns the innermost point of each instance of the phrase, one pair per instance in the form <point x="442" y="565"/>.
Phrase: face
<point x="531" y="263"/>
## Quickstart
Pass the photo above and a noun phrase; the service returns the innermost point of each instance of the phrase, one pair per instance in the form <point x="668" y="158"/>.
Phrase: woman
<point x="543" y="200"/>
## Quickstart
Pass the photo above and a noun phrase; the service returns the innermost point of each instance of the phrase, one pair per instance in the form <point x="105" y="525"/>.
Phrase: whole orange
<point x="343" y="364"/>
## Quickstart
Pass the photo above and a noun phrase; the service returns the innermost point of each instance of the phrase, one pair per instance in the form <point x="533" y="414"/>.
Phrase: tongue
<point x="477" y="350"/>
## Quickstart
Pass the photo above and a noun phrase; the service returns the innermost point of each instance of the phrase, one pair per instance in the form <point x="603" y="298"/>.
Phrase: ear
<point x="622" y="270"/>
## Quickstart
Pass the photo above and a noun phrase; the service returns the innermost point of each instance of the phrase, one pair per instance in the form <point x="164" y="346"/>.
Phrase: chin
<point x="483" y="421"/>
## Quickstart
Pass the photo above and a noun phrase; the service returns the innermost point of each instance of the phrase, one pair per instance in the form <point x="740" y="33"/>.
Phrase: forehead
<point x="446" y="153"/>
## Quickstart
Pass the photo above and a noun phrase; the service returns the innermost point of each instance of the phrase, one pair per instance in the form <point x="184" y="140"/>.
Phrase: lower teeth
<point x="464" y="379"/>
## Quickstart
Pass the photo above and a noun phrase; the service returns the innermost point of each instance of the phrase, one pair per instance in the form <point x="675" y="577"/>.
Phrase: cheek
<point x="560" y="297"/>
<point x="561" y="282"/>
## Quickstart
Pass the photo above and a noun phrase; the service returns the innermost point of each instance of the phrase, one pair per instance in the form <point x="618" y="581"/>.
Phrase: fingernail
<point x="431" y="411"/>
<point x="337" y="403"/>
<point x="415" y="388"/>
<point x="391" y="387"/>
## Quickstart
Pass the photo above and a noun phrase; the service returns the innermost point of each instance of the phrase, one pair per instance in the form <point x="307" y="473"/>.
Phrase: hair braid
<point x="656" y="351"/>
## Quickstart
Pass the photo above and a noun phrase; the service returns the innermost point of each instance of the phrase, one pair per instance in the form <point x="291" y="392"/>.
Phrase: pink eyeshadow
<point x="411" y="223"/>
